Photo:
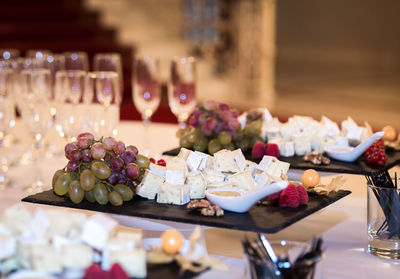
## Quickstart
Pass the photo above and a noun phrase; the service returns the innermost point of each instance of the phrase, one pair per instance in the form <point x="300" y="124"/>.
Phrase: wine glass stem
<point x="38" y="181"/>
<point x="146" y="145"/>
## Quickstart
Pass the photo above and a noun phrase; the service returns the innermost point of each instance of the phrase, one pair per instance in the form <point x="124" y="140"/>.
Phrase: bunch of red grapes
<point x="375" y="154"/>
<point x="104" y="170"/>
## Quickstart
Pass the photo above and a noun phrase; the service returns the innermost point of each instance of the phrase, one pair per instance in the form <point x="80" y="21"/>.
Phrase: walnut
<point x="317" y="158"/>
<point x="205" y="207"/>
<point x="198" y="204"/>
<point x="208" y="211"/>
<point x="218" y="211"/>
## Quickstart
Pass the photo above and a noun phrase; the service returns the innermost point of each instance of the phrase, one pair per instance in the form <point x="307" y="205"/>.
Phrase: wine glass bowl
<point x="146" y="88"/>
<point x="182" y="89"/>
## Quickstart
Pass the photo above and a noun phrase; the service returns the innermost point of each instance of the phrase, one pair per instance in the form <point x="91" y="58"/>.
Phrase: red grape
<point x="86" y="155"/>
<point x="69" y="148"/>
<point x="132" y="171"/>
<point x="375" y="154"/>
<point x="223" y="107"/>
<point x="72" y="166"/>
<point x="83" y="142"/>
<point x="133" y="149"/>
<point x="116" y="164"/>
<point x="75" y="155"/>
<point x="193" y="120"/>
<point x="128" y="156"/>
<point x="85" y="135"/>
<point x="113" y="178"/>
<point x="109" y="143"/>
<point x="98" y="151"/>
<point x="119" y="147"/>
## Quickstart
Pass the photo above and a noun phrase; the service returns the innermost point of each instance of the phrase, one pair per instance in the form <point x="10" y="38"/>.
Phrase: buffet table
<point x="342" y="224"/>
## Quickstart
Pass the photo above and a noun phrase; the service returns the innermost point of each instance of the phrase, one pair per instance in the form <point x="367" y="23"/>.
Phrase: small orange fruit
<point x="171" y="242"/>
<point x="310" y="178"/>
<point x="390" y="133"/>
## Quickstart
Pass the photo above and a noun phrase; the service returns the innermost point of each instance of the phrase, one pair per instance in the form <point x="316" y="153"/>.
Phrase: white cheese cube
<point x="261" y="179"/>
<point x="160" y="170"/>
<point x="197" y="185"/>
<point x="173" y="194"/>
<point x="287" y="130"/>
<point x="332" y="127"/>
<point x="44" y="258"/>
<point x="251" y="166"/>
<point x="268" y="164"/>
<point x="59" y="242"/>
<point x="175" y="176"/>
<point x="150" y="185"/>
<point x="183" y="154"/>
<point x="342" y="141"/>
<point x="281" y="170"/>
<point x="229" y="161"/>
<point x="243" y="180"/>
<point x="242" y="119"/>
<point x="286" y="148"/>
<point x="40" y="224"/>
<point x="8" y="247"/>
<point x="302" y="144"/>
<point x="193" y="161"/>
<point x="23" y="250"/>
<point x="347" y="125"/>
<point x="354" y="133"/>
<point x="97" y="230"/>
<point x="213" y="177"/>
<point x="134" y="236"/>
<point x="220" y="185"/>
<point x="76" y="256"/>
<point x="132" y="261"/>
<point x="17" y="219"/>
<point x="207" y="161"/>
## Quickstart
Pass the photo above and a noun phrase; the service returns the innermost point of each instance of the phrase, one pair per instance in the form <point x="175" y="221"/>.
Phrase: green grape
<point x="100" y="193"/>
<point x="142" y="161"/>
<point x="254" y="139"/>
<point x="239" y="135"/>
<point x="56" y="175"/>
<point x="253" y="128"/>
<point x="225" y="138"/>
<point x="89" y="196"/>
<point x="243" y="144"/>
<point x="230" y="146"/>
<point x="200" y="144"/>
<point x="100" y="170"/>
<point x="184" y="142"/>
<point x="125" y="192"/>
<point x="76" y="192"/>
<point x="62" y="184"/>
<point x="115" y="198"/>
<point x="87" y="180"/>
<point x="214" y="146"/>
<point x="191" y="137"/>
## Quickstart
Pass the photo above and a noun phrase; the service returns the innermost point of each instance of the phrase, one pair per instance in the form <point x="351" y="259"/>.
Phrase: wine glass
<point x="8" y="54"/>
<point x="70" y="88"/>
<point x="103" y="90"/>
<point x="7" y="115"/>
<point x="35" y="110"/>
<point x="182" y="88"/>
<point x="76" y="60"/>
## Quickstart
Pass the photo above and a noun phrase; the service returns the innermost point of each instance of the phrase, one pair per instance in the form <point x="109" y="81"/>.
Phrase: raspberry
<point x="117" y="272"/>
<point x="303" y="195"/>
<point x="274" y="198"/>
<point x="272" y="149"/>
<point x="152" y="160"/>
<point x="162" y="162"/>
<point x="258" y="150"/>
<point x="289" y="197"/>
<point x="95" y="272"/>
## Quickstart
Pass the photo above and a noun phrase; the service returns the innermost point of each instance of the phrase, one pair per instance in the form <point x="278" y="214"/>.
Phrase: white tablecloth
<point x="342" y="224"/>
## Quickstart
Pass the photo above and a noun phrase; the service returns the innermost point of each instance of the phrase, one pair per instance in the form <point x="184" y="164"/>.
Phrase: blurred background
<point x="336" y="58"/>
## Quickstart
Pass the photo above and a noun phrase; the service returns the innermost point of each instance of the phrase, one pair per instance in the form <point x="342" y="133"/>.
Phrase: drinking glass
<point x="104" y="108"/>
<point x="76" y="60"/>
<point x="182" y="89"/>
<point x="70" y="87"/>
<point x="110" y="62"/>
<point x="7" y="115"/>
<point x="8" y="54"/>
<point x="35" y="110"/>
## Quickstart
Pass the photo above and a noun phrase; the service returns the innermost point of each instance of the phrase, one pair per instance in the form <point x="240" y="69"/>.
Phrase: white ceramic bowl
<point x="349" y="154"/>
<point x="246" y="200"/>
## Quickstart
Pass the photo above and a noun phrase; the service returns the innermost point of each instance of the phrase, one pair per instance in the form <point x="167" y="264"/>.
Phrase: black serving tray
<point x="357" y="167"/>
<point x="264" y="219"/>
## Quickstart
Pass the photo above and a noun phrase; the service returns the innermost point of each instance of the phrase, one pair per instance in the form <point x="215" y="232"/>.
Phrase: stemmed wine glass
<point x="9" y="53"/>
<point x="146" y="90"/>
<point x="76" y="60"/>
<point x="7" y="114"/>
<point x="104" y="89"/>
<point x="70" y="88"/>
<point x="182" y="88"/>
<point x="35" y="109"/>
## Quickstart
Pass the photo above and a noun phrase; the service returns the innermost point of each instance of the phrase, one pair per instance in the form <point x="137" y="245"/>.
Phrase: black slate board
<point x="357" y="167"/>
<point x="264" y="219"/>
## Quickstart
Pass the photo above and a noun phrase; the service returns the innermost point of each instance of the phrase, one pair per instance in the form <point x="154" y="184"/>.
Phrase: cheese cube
<point x="250" y="166"/>
<point x="342" y="141"/>
<point x="134" y="236"/>
<point x="150" y="185"/>
<point x="44" y="258"/>
<point x="207" y="161"/>
<point x="287" y="130"/>
<point x="8" y="247"/>
<point x="332" y="127"/>
<point x="280" y="171"/>
<point x="197" y="185"/>
<point x="160" y="170"/>
<point x="17" y="219"/>
<point x="354" y="133"/>
<point x="347" y="125"/>
<point x="243" y="180"/>
<point x="193" y="161"/>
<point x="302" y="144"/>
<point x="40" y="224"/>
<point x="220" y="185"/>
<point x="183" y="154"/>
<point x="59" y="242"/>
<point x="286" y="148"/>
<point x="261" y="179"/>
<point x="173" y="194"/>
<point x="132" y="261"/>
<point x="97" y="230"/>
<point x="229" y="161"/>
<point x="268" y="164"/>
<point x="23" y="250"/>
<point x="213" y="177"/>
<point x="175" y="176"/>
<point x="76" y="256"/>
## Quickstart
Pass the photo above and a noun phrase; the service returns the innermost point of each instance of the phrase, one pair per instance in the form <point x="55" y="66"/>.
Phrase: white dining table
<point x="342" y="225"/>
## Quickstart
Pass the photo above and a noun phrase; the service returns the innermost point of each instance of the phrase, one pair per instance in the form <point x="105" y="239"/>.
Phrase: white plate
<point x="350" y="154"/>
<point x="245" y="201"/>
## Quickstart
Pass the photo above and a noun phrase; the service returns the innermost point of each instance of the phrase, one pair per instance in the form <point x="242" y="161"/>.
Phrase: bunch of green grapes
<point x="100" y="171"/>
<point x="249" y="135"/>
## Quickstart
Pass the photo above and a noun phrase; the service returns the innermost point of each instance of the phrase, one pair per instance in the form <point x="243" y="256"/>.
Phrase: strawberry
<point x="289" y="197"/>
<point x="303" y="195"/>
<point x="258" y="150"/>
<point x="117" y="272"/>
<point x="274" y="198"/>
<point x="272" y="149"/>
